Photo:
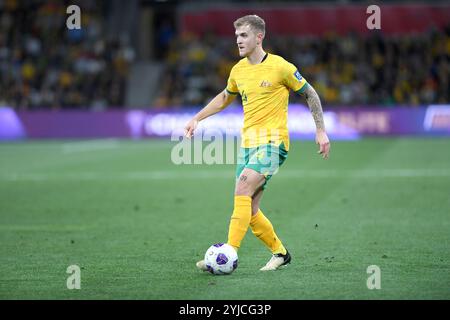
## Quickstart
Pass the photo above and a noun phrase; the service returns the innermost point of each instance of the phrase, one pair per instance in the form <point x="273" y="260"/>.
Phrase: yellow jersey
<point x="264" y="89"/>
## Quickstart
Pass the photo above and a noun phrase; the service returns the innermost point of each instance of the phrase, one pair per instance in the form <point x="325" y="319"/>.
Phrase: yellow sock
<point x="240" y="220"/>
<point x="263" y="229"/>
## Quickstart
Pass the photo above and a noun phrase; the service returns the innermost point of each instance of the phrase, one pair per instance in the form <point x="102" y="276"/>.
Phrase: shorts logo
<point x="298" y="75"/>
<point x="260" y="155"/>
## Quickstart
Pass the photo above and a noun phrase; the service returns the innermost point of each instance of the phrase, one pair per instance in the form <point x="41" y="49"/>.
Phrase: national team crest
<point x="298" y="75"/>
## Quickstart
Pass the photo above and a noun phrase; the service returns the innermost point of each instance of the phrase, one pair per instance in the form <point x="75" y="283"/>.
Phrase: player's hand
<point x="323" y="142"/>
<point x="190" y="127"/>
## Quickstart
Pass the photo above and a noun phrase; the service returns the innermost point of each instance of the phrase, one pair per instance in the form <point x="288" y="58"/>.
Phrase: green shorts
<point x="265" y="159"/>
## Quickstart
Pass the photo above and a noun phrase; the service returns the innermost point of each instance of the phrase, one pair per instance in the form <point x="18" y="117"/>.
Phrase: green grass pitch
<point x="136" y="224"/>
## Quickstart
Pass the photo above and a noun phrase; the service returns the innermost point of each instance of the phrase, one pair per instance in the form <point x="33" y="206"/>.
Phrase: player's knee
<point x="243" y="189"/>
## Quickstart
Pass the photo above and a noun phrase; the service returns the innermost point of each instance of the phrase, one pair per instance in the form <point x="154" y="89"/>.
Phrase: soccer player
<point x="263" y="80"/>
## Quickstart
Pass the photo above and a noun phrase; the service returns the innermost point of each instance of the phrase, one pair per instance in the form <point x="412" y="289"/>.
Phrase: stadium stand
<point x="44" y="65"/>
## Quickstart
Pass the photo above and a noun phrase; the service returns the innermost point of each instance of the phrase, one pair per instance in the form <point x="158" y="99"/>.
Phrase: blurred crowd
<point x="345" y="70"/>
<point x="43" y="64"/>
<point x="196" y="69"/>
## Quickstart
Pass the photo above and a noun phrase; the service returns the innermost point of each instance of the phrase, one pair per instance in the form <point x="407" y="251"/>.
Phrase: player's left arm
<point x="313" y="101"/>
<point x="292" y="79"/>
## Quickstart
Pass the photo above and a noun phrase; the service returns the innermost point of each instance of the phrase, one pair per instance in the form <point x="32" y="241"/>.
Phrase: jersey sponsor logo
<point x="298" y="75"/>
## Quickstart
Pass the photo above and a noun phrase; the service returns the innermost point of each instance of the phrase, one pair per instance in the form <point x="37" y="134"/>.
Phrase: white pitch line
<point x="92" y="145"/>
<point x="221" y="174"/>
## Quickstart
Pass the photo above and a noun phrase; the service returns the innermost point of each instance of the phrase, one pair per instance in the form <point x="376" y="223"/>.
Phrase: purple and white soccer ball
<point x="221" y="258"/>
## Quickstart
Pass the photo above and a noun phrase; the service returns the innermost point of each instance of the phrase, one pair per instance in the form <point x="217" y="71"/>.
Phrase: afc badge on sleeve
<point x="298" y="75"/>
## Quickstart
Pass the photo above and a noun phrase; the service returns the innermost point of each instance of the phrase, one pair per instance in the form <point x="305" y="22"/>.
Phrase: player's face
<point x="246" y="40"/>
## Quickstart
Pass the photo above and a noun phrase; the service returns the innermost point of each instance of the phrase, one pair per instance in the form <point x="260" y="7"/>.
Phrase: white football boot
<point x="277" y="261"/>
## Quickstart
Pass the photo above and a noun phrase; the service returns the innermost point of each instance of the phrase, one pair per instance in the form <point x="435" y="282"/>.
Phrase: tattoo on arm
<point x="313" y="101"/>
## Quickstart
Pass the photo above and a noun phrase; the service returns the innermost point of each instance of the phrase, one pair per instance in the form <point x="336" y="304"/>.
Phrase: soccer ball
<point x="221" y="258"/>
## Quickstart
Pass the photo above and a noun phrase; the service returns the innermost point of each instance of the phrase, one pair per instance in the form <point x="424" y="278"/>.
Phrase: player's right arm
<point x="220" y="102"/>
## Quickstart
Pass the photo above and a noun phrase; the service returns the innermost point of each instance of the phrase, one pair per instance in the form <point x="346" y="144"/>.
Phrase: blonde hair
<point x="256" y="23"/>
